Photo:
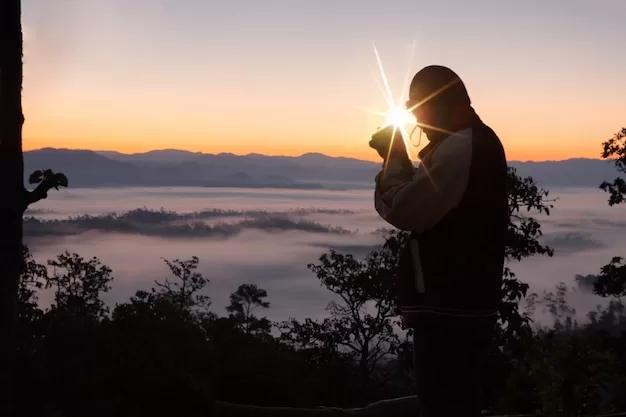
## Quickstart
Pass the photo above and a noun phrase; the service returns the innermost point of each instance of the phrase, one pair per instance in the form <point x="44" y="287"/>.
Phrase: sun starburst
<point x="397" y="115"/>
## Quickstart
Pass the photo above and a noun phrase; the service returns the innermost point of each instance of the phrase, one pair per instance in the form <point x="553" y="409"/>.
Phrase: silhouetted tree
<point x="78" y="284"/>
<point x="361" y="321"/>
<point x="243" y="302"/>
<point x="185" y="291"/>
<point x="15" y="198"/>
<point x="33" y="278"/>
<point x="11" y="172"/>
<point x="162" y="347"/>
<point x="525" y="199"/>
<point x="614" y="150"/>
<point x="611" y="319"/>
<point x="70" y="350"/>
<point x="607" y="327"/>
<point x="571" y="374"/>
<point x="571" y="370"/>
<point x="30" y="335"/>
<point x="611" y="282"/>
<point x="555" y="303"/>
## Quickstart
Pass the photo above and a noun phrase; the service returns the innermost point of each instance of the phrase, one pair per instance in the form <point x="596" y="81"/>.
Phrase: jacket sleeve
<point x="417" y="201"/>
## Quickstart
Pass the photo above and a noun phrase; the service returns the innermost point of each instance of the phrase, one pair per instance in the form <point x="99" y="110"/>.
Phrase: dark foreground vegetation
<point x="164" y="353"/>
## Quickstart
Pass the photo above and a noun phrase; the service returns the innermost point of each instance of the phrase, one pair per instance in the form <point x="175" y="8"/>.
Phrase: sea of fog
<point x="267" y="237"/>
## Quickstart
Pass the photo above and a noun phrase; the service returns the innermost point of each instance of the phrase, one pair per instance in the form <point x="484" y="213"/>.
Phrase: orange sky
<point x="97" y="77"/>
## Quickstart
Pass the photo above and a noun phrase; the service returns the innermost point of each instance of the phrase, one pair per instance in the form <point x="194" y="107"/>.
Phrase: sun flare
<point x="396" y="114"/>
<point x="399" y="117"/>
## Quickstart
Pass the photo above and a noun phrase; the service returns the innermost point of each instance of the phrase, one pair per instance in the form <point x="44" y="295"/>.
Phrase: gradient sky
<point x="291" y="76"/>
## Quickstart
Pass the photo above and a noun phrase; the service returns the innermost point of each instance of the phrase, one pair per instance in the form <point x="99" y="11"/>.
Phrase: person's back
<point x="450" y="274"/>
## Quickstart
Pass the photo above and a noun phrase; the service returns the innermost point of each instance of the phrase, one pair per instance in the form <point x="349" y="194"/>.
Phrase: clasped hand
<point x="389" y="136"/>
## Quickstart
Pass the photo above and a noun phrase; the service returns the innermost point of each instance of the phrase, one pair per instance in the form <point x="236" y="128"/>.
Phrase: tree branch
<point x="45" y="180"/>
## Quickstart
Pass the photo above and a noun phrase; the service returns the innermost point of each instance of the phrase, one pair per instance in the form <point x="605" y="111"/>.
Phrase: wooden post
<point x="12" y="188"/>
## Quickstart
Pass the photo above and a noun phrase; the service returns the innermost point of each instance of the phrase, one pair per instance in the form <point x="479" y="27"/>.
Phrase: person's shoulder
<point x="485" y="131"/>
<point x="457" y="143"/>
<point x="486" y="142"/>
<point x="462" y="136"/>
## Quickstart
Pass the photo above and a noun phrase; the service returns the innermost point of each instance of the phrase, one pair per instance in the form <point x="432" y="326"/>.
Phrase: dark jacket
<point x="456" y="206"/>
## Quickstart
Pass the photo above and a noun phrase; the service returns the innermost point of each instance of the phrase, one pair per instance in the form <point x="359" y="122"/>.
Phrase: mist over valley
<point x="269" y="236"/>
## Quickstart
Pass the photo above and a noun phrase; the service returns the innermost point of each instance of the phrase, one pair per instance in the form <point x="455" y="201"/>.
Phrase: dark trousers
<point x="449" y="359"/>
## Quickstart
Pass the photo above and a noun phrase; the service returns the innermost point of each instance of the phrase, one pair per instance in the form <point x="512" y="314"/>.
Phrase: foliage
<point x="612" y="278"/>
<point x="160" y="353"/>
<point x="243" y="302"/>
<point x="572" y="375"/>
<point x="361" y="320"/>
<point x="78" y="283"/>
<point x="524" y="232"/>
<point x="184" y="291"/>
<point x="614" y="150"/>
<point x="32" y="279"/>
<point x="45" y="179"/>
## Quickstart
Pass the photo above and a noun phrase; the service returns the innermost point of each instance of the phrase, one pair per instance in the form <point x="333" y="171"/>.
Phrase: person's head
<point x="439" y="99"/>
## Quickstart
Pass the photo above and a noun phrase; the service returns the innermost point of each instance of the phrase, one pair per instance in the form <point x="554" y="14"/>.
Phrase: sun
<point x="399" y="117"/>
<point x="396" y="114"/>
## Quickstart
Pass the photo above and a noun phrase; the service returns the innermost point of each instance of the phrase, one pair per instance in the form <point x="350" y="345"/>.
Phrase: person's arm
<point x="417" y="201"/>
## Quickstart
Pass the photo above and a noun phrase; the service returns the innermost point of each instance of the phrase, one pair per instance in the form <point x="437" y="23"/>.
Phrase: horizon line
<point x="100" y="151"/>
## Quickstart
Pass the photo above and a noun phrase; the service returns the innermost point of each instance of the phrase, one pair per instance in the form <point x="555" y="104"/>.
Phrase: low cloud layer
<point x="163" y="223"/>
<point x="275" y="262"/>
<point x="267" y="238"/>
<point x="572" y="242"/>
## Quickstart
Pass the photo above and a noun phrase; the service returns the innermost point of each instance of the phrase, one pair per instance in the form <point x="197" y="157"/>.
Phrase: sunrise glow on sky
<point x="286" y="77"/>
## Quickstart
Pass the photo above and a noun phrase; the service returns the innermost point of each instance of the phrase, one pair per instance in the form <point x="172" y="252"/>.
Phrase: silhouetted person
<point x="455" y="205"/>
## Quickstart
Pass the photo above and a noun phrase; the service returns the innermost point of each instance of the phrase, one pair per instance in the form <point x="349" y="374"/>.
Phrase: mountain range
<point x="171" y="167"/>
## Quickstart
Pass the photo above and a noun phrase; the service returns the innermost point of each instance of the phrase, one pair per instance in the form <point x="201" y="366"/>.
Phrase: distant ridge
<point x="173" y="167"/>
<point x="306" y="155"/>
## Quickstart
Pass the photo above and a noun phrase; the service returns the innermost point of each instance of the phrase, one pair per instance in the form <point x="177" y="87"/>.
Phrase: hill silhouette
<point x="171" y="167"/>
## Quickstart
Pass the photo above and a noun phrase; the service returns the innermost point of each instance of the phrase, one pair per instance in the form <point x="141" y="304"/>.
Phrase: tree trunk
<point x="364" y="370"/>
<point x="12" y="201"/>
